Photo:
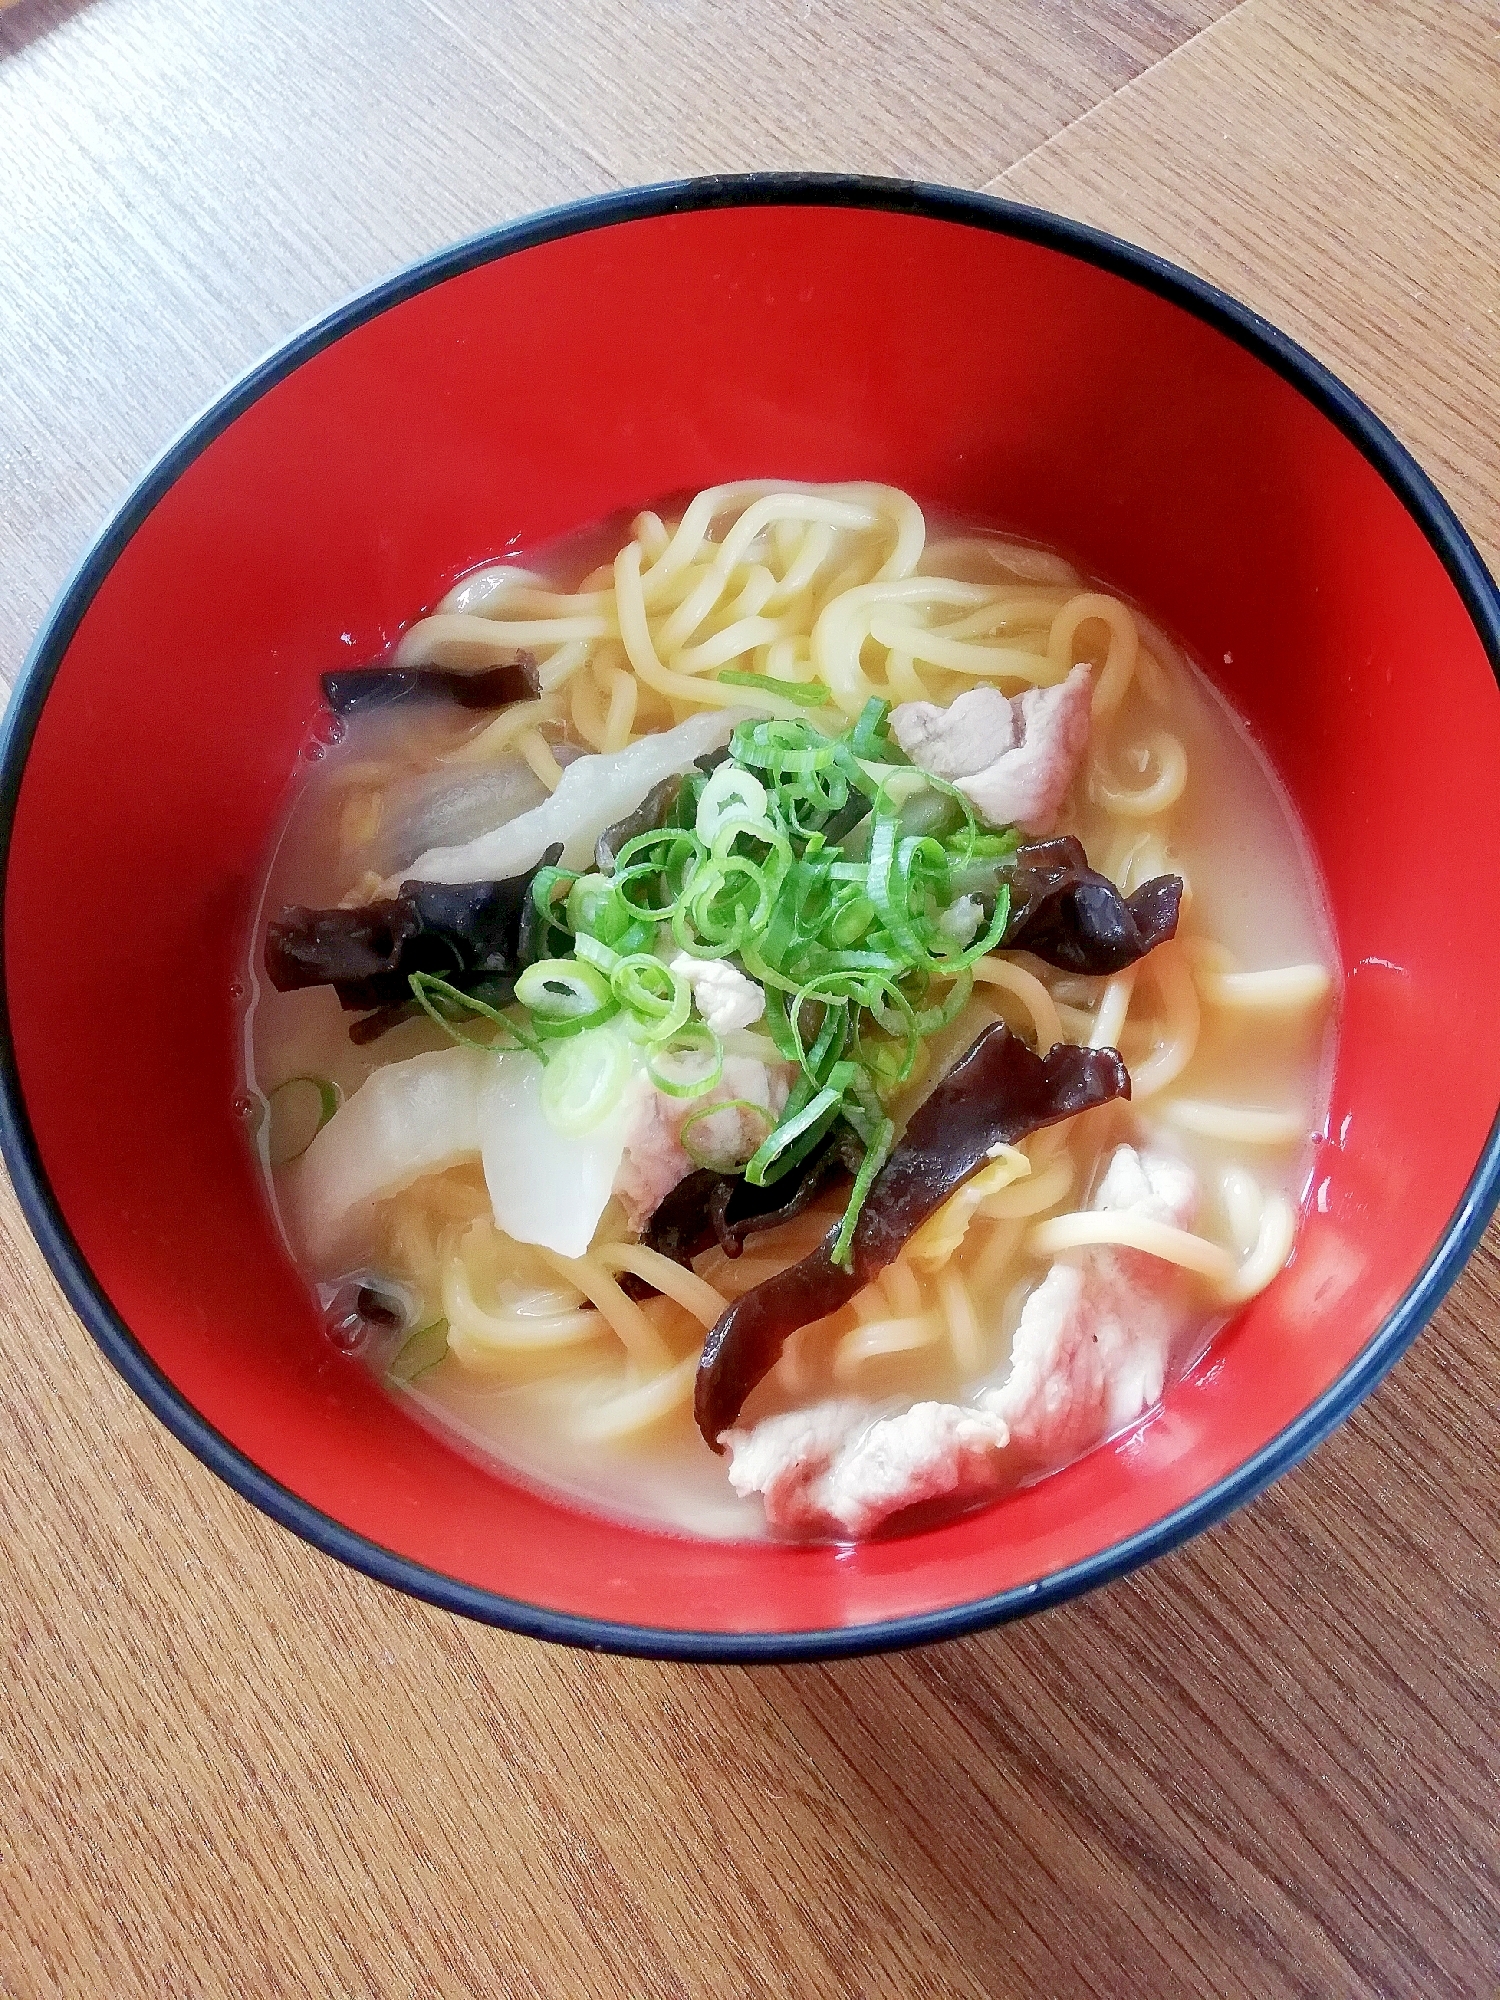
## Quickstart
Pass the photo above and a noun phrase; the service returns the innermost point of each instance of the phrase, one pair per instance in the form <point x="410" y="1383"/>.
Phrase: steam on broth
<point x="768" y="963"/>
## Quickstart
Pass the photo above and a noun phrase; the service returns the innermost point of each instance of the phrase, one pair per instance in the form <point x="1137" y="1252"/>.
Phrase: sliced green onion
<point x="583" y="1080"/>
<point x="808" y="694"/>
<point x="420" y="1351"/>
<point x="877" y="1152"/>
<point x="731" y="793"/>
<point x="653" y="869"/>
<point x="774" y="1157"/>
<point x="330" y="1096"/>
<point x="664" y="1066"/>
<point x="657" y="999"/>
<point x="594" y="908"/>
<point x="929" y="1020"/>
<point x="751" y="866"/>
<point x="700" y="1158"/>
<point x="870" y="739"/>
<point x="432" y="994"/>
<point x="544" y="926"/>
<point x="565" y="994"/>
<point x="593" y="952"/>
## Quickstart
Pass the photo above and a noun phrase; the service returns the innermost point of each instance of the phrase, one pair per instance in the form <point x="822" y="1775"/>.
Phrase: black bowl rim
<point x="1476" y="588"/>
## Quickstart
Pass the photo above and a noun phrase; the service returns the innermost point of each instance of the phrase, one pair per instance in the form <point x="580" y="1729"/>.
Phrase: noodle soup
<point x="779" y="1018"/>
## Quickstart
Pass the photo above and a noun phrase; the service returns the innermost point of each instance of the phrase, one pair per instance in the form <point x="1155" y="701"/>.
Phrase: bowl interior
<point x="530" y="393"/>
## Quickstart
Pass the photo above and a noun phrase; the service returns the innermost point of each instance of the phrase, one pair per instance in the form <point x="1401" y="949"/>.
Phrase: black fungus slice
<point x="710" y="1207"/>
<point x="1076" y="919"/>
<point x="995" y="1094"/>
<point x="469" y="933"/>
<point x="654" y="811"/>
<point x="353" y="690"/>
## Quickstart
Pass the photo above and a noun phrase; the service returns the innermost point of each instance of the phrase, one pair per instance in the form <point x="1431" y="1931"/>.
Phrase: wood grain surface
<point x="1265" y="1767"/>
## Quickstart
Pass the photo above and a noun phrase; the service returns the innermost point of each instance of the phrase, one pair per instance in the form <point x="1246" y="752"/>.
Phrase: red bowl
<point x="992" y="359"/>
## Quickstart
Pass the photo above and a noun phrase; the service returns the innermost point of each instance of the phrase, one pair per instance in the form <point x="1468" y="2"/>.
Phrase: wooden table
<point x="1266" y="1766"/>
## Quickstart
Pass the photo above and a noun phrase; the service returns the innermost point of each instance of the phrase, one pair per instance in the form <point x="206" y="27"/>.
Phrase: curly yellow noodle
<point x="1284" y="989"/>
<point x="1142" y="857"/>
<point x="786" y="538"/>
<point x="796" y="1371"/>
<point x="961" y="656"/>
<point x="735" y="1276"/>
<point x="1244" y="1204"/>
<point x="941" y="1234"/>
<point x="650" y="531"/>
<point x="636" y="1334"/>
<point x="1003" y="614"/>
<point x="843" y="627"/>
<point x="1092" y="1227"/>
<point x="498" y="738"/>
<point x="816" y="545"/>
<point x="690" y="1291"/>
<point x="903" y="1288"/>
<point x="1167" y="967"/>
<point x="691" y="532"/>
<point x="1032" y="1196"/>
<point x="624" y="699"/>
<point x="1236" y="1124"/>
<point x="537" y="751"/>
<point x="726" y="648"/>
<point x="1029" y="990"/>
<point x="754" y="594"/>
<point x="639" y="644"/>
<point x="1114" y="1007"/>
<point x="561" y="665"/>
<point x="902" y="678"/>
<point x="961" y="1322"/>
<point x="452" y="639"/>
<point x="687" y="537"/>
<point x="691" y="612"/>
<point x="876" y="1339"/>
<point x="1077" y="1022"/>
<point x="477" y="1336"/>
<point x="1161" y="749"/>
<point x="473" y="594"/>
<point x="587" y="707"/>
<point x="637" y="1409"/>
<point x="1113" y="682"/>
<point x="991" y="1257"/>
<point x="1278" y="1231"/>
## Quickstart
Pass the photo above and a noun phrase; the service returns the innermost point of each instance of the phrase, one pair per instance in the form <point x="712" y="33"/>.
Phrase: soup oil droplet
<point x="237" y="989"/>
<point x="246" y="1106"/>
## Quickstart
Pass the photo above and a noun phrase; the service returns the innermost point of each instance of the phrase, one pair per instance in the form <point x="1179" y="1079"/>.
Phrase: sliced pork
<point x="840" y="1468"/>
<point x="1090" y="1354"/>
<point x="655" y="1159"/>
<point x="1095" y="1337"/>
<point x="1013" y="757"/>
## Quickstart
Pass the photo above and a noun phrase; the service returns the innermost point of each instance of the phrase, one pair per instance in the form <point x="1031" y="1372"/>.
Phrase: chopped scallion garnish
<point x="857" y="891"/>
<point x="807" y="694"/>
<point x="420" y="1351"/>
<point x="284" y="1147"/>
